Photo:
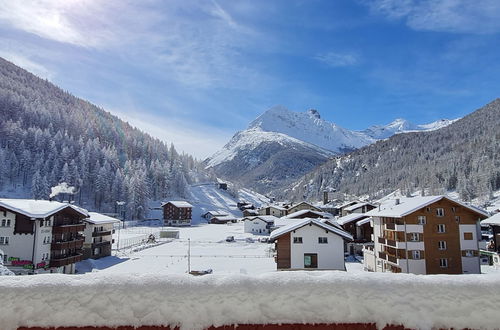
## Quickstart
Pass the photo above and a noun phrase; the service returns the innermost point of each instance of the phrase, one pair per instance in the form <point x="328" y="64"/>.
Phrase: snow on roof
<point x="178" y="203"/>
<point x="304" y="222"/>
<point x="357" y="206"/>
<point x="276" y="207"/>
<point x="217" y="213"/>
<point x="347" y="204"/>
<point x="350" y="217"/>
<point x="409" y="205"/>
<point x="362" y="222"/>
<point x="98" y="218"/>
<point x="228" y="217"/>
<point x="265" y="218"/>
<point x="302" y="212"/>
<point x="37" y="208"/>
<point x="493" y="220"/>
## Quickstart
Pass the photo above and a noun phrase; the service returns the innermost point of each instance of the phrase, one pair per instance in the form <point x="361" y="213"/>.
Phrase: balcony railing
<point x="392" y="259"/>
<point x="71" y="244"/>
<point x="101" y="233"/>
<point x="391" y="242"/>
<point x="382" y="255"/>
<point x="381" y="240"/>
<point x="390" y="226"/>
<point x="68" y="228"/>
<point x="103" y="243"/>
<point x="60" y="261"/>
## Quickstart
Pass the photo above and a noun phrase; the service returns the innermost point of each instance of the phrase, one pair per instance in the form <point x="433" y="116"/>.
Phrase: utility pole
<point x="189" y="255"/>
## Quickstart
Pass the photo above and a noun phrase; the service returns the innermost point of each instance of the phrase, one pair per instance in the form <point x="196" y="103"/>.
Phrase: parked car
<point x="230" y="239"/>
<point x="249" y="240"/>
<point x="264" y="239"/>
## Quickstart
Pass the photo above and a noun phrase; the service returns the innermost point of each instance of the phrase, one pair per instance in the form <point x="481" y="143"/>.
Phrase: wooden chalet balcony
<point x="65" y="260"/>
<point x="381" y="240"/>
<point x="77" y="243"/>
<point x="60" y="229"/>
<point x="101" y="244"/>
<point x="391" y="242"/>
<point x="392" y="259"/>
<point x="390" y="226"/>
<point x="101" y="233"/>
<point x="382" y="255"/>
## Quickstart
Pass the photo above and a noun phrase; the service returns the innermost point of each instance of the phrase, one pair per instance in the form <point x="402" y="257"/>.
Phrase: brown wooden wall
<point x="283" y="251"/>
<point x="451" y="236"/>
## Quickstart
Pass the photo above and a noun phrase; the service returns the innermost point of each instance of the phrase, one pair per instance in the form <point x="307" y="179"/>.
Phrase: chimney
<point x="397" y="201"/>
<point x="325" y="197"/>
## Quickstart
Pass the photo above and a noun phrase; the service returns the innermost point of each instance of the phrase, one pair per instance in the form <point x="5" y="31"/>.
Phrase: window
<point x="442" y="245"/>
<point x="443" y="263"/>
<point x="416" y="254"/>
<point x="323" y="240"/>
<point x="453" y="209"/>
<point x="468" y="236"/>
<point x="5" y="223"/>
<point x="440" y="212"/>
<point x="469" y="253"/>
<point x="310" y="260"/>
<point x="457" y="218"/>
<point x="297" y="240"/>
<point x="441" y="228"/>
<point x="5" y="259"/>
<point x="428" y="209"/>
<point x="4" y="240"/>
<point x="415" y="237"/>
<point x="421" y="220"/>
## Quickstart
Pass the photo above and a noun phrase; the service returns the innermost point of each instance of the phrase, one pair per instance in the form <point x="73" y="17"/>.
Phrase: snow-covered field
<point x="208" y="250"/>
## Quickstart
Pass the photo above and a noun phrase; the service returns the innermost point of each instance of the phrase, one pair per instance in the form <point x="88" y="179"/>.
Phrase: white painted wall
<point x="470" y="265"/>
<point x="330" y="256"/>
<point x="256" y="225"/>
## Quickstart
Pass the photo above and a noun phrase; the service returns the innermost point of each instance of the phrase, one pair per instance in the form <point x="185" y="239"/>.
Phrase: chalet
<point x="341" y="207"/>
<point x="425" y="235"/>
<point x="309" y="244"/>
<point x="224" y="219"/>
<point x="177" y="213"/>
<point x="98" y="235"/>
<point x="250" y="213"/>
<point x="302" y="214"/>
<point x="210" y="214"/>
<point x="362" y="207"/>
<point x="260" y="225"/>
<point x="39" y="236"/>
<point x="277" y="211"/>
<point x="353" y="224"/>
<point x="302" y="206"/>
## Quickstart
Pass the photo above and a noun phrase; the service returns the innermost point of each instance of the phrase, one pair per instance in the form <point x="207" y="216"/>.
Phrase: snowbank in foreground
<point x="287" y="297"/>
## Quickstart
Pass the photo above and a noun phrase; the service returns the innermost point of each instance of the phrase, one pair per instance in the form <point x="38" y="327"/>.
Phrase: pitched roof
<point x="302" y="212"/>
<point x="98" y="218"/>
<point x="304" y="222"/>
<point x="37" y="208"/>
<point x="216" y="213"/>
<point x="227" y="217"/>
<point x="362" y="222"/>
<point x="408" y="205"/>
<point x="178" y="203"/>
<point x="493" y="220"/>
<point x="303" y="202"/>
<point x="357" y="206"/>
<point x="265" y="218"/>
<point x="350" y="217"/>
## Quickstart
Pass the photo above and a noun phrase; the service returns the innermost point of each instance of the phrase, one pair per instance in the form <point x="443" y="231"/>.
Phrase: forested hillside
<point x="464" y="156"/>
<point x="48" y="136"/>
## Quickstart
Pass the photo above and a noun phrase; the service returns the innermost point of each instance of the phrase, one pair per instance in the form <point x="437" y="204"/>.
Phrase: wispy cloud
<point x="334" y="59"/>
<point x="28" y="64"/>
<point x="456" y="16"/>
<point x="189" y="137"/>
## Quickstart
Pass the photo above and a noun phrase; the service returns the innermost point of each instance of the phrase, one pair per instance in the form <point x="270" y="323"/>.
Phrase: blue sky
<point x="195" y="72"/>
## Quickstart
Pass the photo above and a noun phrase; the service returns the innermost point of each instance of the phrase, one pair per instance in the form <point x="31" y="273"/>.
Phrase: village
<point x="398" y="234"/>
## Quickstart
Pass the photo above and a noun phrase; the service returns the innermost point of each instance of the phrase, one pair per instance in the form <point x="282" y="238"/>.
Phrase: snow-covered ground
<point x="208" y="250"/>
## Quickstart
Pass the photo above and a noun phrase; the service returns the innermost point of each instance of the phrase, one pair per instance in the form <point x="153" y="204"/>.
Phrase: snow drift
<point x="440" y="301"/>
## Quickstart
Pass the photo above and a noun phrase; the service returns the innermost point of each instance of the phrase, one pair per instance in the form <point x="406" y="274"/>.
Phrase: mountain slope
<point x="48" y="136"/>
<point x="281" y="145"/>
<point x="464" y="156"/>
